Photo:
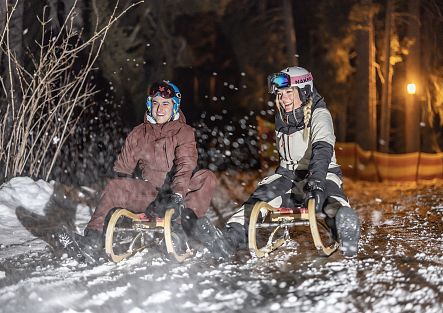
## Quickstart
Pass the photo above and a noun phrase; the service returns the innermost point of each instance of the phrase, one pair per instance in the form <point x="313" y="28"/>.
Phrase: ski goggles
<point x="278" y="81"/>
<point x="163" y="90"/>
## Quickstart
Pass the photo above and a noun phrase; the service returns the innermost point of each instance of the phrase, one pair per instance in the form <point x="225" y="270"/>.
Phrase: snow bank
<point x="22" y="199"/>
<point x="26" y="193"/>
<point x="23" y="192"/>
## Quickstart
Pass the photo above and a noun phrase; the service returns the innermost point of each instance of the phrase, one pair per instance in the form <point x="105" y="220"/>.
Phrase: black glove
<point x="164" y="202"/>
<point x="315" y="188"/>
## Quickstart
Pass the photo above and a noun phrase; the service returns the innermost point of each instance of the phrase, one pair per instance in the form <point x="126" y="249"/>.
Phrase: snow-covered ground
<point x="399" y="267"/>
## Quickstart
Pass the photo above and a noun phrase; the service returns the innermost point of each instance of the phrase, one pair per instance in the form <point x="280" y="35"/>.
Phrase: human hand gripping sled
<point x="269" y="228"/>
<point x="128" y="233"/>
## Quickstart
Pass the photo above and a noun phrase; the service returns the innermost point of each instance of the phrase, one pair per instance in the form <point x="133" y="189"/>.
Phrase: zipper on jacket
<point x="166" y="154"/>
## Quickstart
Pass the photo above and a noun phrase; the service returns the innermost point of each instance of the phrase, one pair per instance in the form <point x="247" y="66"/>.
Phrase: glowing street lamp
<point x="412" y="89"/>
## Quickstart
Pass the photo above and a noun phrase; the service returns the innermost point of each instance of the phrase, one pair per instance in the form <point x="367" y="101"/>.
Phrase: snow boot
<point x="92" y="243"/>
<point x="179" y="240"/>
<point x="82" y="249"/>
<point x="348" y="230"/>
<point x="332" y="227"/>
<point x="212" y="238"/>
<point x="66" y="241"/>
<point x="235" y="235"/>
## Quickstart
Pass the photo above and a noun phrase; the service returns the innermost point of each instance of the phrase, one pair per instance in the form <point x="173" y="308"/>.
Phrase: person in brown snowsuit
<point x="164" y="149"/>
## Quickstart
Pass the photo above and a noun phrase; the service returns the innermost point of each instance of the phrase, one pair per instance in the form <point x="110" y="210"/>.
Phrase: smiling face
<point x="289" y="99"/>
<point x="162" y="109"/>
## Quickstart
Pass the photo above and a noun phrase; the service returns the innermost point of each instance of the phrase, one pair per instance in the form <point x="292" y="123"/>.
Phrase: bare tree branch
<point x="54" y="95"/>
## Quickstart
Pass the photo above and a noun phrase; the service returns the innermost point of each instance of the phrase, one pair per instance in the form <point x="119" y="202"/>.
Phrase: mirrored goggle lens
<point x="277" y="81"/>
<point x="162" y="90"/>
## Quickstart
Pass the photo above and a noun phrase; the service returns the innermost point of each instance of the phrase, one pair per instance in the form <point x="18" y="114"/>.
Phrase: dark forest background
<point x="219" y="53"/>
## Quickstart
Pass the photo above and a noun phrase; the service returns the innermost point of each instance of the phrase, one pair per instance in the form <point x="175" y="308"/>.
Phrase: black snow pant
<point x="282" y="189"/>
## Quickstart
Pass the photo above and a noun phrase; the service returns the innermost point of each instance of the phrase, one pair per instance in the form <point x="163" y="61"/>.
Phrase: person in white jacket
<point x="308" y="167"/>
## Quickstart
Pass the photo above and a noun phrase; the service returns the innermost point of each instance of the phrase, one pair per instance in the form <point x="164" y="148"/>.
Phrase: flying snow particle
<point x="25" y="31"/>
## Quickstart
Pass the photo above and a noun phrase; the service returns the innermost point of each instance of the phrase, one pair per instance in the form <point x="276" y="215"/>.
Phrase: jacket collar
<point x="150" y="119"/>
<point x="159" y="130"/>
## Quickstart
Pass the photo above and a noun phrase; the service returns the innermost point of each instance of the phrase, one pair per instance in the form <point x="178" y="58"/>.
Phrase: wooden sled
<point x="128" y="233"/>
<point x="269" y="228"/>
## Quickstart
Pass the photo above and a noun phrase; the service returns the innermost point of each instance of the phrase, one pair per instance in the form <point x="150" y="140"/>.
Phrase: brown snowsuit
<point x="157" y="149"/>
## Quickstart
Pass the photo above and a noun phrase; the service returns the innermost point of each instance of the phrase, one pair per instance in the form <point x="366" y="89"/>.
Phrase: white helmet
<point x="293" y="76"/>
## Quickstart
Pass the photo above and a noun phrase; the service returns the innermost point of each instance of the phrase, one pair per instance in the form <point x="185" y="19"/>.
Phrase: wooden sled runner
<point x="269" y="228"/>
<point x="128" y="233"/>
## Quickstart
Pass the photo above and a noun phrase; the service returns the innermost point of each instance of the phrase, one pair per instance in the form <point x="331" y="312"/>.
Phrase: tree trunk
<point x="14" y="38"/>
<point x="372" y="99"/>
<point x="413" y="75"/>
<point x="291" y="43"/>
<point x="53" y="13"/>
<point x="385" y="114"/>
<point x="364" y="91"/>
<point x="430" y="50"/>
<point x="77" y="12"/>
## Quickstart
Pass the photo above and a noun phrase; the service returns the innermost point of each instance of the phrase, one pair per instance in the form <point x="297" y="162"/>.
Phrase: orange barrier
<point x="361" y="164"/>
<point x="369" y="165"/>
